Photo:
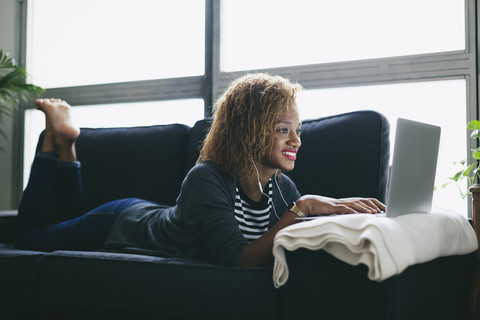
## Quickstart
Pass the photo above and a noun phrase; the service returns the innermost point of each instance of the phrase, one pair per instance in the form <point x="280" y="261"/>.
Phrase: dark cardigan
<point x="201" y="225"/>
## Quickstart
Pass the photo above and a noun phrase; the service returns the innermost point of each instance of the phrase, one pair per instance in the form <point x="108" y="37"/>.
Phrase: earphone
<point x="266" y="195"/>
<point x="258" y="178"/>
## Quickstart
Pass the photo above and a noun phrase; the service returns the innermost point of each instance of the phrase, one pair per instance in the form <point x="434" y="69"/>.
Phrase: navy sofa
<point x="343" y="155"/>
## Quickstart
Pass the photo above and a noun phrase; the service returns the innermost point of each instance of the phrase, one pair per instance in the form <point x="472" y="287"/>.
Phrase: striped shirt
<point x="253" y="217"/>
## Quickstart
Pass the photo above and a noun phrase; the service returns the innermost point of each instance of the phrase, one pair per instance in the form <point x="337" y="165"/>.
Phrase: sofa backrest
<point x="143" y="162"/>
<point x="195" y="141"/>
<point x="341" y="156"/>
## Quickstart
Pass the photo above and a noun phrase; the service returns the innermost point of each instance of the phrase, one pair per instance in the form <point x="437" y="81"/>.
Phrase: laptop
<point x="414" y="165"/>
<point x="412" y="174"/>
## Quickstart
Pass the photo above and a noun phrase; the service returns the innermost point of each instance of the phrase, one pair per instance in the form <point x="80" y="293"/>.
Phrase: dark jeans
<point x="50" y="212"/>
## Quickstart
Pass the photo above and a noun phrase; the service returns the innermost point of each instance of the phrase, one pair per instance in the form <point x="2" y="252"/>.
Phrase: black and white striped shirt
<point x="253" y="217"/>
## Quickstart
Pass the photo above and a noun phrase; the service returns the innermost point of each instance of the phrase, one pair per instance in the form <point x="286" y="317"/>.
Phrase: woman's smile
<point x="291" y="154"/>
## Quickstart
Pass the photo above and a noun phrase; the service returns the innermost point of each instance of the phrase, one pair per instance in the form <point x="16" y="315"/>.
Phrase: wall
<point x="9" y="42"/>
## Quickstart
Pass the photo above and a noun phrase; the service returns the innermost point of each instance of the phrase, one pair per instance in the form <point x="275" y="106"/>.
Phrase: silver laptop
<point x="412" y="174"/>
<point x="414" y="165"/>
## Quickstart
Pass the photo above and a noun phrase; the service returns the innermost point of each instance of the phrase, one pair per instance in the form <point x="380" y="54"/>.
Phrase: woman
<point x="231" y="204"/>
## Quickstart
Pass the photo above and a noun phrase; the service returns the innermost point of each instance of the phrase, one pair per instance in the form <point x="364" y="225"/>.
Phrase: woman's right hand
<point x="319" y="205"/>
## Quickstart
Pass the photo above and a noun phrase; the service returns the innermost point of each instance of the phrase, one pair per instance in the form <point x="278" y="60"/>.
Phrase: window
<point x="440" y="103"/>
<point x="284" y="33"/>
<point x="92" y="42"/>
<point x="412" y="59"/>
<point x="384" y="55"/>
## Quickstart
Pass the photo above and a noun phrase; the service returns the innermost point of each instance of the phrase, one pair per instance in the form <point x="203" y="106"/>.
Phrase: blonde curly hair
<point x="245" y="119"/>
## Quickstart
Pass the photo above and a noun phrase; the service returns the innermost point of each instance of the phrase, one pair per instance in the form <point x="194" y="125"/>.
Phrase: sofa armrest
<point x="475" y="294"/>
<point x="7" y="225"/>
<point x="321" y="286"/>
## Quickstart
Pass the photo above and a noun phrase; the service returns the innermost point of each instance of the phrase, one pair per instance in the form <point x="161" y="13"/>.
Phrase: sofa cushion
<point x="115" y="284"/>
<point x="19" y="281"/>
<point x="338" y="152"/>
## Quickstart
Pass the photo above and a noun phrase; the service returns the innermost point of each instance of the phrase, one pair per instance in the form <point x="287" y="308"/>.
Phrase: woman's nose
<point x="295" y="139"/>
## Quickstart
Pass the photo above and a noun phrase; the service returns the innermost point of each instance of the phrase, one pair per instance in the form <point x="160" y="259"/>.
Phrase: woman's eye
<point x="299" y="132"/>
<point x="283" y="130"/>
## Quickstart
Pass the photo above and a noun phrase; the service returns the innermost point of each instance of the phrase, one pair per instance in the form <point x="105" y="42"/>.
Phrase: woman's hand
<point x="259" y="252"/>
<point x="315" y="205"/>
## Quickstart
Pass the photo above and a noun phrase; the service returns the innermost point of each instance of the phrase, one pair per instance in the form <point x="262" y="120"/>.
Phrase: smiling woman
<point x="246" y="119"/>
<point x="231" y="204"/>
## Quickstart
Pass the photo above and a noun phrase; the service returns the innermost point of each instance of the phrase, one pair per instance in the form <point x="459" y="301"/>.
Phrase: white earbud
<point x="258" y="176"/>
<point x="261" y="189"/>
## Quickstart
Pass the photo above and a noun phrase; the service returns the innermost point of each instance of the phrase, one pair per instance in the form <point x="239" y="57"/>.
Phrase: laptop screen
<point x="412" y="175"/>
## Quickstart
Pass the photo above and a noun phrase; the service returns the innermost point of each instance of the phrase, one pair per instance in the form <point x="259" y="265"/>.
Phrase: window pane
<point x="439" y="102"/>
<point x="125" y="115"/>
<point x="79" y="42"/>
<point x="276" y="33"/>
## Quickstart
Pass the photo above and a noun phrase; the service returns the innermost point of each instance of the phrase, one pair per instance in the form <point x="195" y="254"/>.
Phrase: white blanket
<point x="387" y="246"/>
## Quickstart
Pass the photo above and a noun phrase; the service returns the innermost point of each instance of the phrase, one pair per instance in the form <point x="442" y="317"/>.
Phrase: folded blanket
<point x="387" y="246"/>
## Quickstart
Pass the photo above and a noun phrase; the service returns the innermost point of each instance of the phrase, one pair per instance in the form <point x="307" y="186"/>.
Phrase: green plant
<point x="471" y="171"/>
<point x="13" y="88"/>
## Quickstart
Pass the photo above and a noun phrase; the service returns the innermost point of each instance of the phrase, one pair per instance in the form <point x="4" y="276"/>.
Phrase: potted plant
<point x="13" y="88"/>
<point x="471" y="171"/>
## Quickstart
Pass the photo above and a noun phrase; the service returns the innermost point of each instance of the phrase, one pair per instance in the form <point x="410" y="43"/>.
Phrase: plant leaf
<point x="473" y="125"/>
<point x="457" y="175"/>
<point x="13" y="88"/>
<point x="476" y="154"/>
<point x="466" y="172"/>
<point x="446" y="184"/>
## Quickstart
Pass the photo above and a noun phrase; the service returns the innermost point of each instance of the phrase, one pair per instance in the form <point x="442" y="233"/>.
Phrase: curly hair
<point x="244" y="122"/>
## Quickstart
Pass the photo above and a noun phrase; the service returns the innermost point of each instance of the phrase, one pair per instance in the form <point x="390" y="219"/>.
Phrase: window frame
<point x="460" y="64"/>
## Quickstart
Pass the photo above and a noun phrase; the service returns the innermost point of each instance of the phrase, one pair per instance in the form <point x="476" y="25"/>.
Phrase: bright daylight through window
<point x="345" y="60"/>
<point x="283" y="33"/>
<point x="437" y="102"/>
<point x="114" y="41"/>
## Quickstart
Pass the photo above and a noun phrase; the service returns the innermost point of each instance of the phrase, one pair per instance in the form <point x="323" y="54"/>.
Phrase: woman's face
<point x="286" y="142"/>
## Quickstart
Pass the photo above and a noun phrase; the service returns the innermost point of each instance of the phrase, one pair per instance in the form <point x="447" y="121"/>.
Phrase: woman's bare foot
<point x="60" y="125"/>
